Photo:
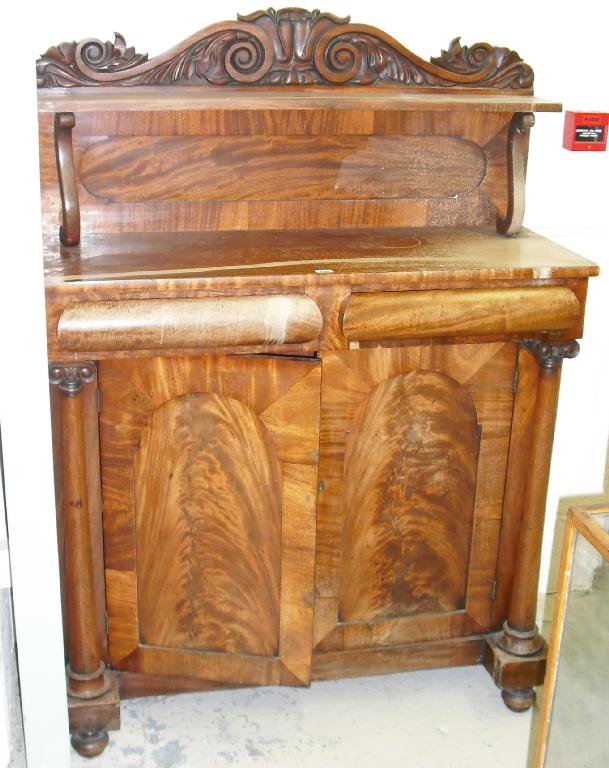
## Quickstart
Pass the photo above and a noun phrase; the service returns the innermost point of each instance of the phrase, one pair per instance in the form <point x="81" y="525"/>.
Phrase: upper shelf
<point x="158" y="98"/>
<point x="288" y="93"/>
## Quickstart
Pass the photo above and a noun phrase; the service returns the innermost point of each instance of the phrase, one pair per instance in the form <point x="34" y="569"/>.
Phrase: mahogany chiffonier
<point x="304" y="364"/>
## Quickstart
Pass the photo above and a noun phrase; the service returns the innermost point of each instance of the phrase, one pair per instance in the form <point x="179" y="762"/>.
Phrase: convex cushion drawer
<point x="420" y="314"/>
<point x="184" y="323"/>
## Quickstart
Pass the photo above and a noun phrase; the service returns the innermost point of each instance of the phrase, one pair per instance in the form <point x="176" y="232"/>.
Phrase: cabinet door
<point x="209" y="470"/>
<point x="413" y="455"/>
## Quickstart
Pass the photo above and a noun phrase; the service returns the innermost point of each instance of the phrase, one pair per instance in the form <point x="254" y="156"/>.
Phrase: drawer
<point x="420" y="314"/>
<point x="187" y="323"/>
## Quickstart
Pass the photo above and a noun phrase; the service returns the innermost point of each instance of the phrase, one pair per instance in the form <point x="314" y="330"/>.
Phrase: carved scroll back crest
<point x="291" y="46"/>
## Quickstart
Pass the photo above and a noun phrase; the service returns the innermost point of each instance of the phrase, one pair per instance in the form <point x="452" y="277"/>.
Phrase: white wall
<point x="8" y="668"/>
<point x="567" y="200"/>
<point x="24" y="414"/>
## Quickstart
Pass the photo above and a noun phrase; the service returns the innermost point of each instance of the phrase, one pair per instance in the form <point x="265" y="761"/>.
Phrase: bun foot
<point x="518" y="699"/>
<point x="90" y="743"/>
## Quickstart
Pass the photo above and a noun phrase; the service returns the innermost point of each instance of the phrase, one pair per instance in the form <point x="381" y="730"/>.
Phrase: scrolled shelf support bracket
<point x="517" y="153"/>
<point x="69" y="232"/>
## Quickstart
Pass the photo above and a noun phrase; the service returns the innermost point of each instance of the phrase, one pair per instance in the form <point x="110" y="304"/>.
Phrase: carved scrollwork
<point x="550" y="355"/>
<point x="294" y="34"/>
<point x="364" y="59"/>
<point x="288" y="46"/>
<point x="71" y="378"/>
<point x="492" y="66"/>
<point x="220" y="58"/>
<point x="69" y="64"/>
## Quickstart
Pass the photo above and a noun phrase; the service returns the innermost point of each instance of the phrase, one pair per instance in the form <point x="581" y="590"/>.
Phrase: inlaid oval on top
<point x="208" y="485"/>
<point x="138" y="169"/>
<point x="410" y="484"/>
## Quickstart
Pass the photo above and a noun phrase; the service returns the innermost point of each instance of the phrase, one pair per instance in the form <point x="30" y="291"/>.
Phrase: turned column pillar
<point x="520" y="636"/>
<point x="86" y="670"/>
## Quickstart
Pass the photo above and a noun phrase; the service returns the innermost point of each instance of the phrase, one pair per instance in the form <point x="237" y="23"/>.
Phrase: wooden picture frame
<point x="580" y="521"/>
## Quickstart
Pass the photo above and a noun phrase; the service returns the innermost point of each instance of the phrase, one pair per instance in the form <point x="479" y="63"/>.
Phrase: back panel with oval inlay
<point x="224" y="169"/>
<point x="139" y="169"/>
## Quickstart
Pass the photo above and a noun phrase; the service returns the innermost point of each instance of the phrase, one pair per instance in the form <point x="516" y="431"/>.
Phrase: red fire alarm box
<point x="585" y="131"/>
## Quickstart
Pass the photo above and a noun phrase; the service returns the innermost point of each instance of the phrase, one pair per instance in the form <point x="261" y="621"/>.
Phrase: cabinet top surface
<point x="296" y="258"/>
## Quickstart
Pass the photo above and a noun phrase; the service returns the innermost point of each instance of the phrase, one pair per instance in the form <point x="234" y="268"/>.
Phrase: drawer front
<point x="158" y="324"/>
<point x="427" y="314"/>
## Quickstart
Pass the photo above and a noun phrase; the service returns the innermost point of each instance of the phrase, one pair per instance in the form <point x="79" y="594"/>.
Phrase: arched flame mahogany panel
<point x="410" y="485"/>
<point x="208" y="484"/>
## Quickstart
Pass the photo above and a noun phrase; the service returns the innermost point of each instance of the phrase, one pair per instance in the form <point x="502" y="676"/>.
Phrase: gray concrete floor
<point x="450" y="718"/>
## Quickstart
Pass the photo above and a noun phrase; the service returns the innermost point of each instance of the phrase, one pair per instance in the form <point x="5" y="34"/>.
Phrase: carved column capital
<point x="71" y="378"/>
<point x="550" y="355"/>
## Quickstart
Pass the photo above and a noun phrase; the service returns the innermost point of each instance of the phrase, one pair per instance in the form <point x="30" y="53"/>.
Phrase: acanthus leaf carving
<point x="69" y="64"/>
<point x="284" y="47"/>
<point x="497" y="67"/>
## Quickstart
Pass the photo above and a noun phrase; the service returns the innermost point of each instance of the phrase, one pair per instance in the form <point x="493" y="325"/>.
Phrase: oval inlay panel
<point x="231" y="168"/>
<point x="410" y="484"/>
<point x="208" y="485"/>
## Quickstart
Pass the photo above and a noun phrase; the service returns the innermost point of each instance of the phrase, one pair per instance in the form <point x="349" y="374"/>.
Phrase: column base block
<point x="515" y="675"/>
<point x="91" y="719"/>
